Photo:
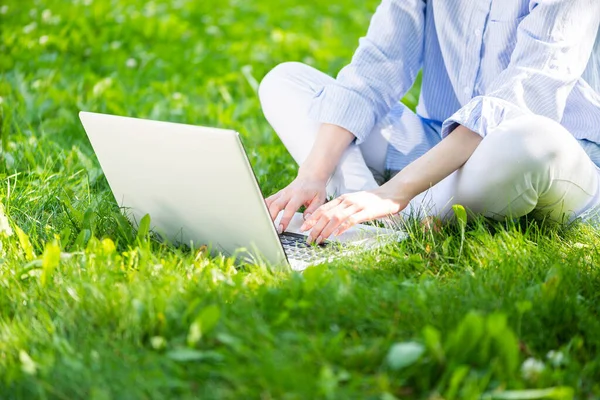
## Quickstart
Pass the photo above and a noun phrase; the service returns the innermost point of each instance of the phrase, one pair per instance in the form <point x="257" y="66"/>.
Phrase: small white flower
<point x="86" y="2"/>
<point x="43" y="40"/>
<point x="4" y="224"/>
<point x="131" y="63"/>
<point x="532" y="368"/>
<point x="556" y="358"/>
<point x="177" y="96"/>
<point x="46" y="15"/>
<point x="4" y="9"/>
<point x="1" y="100"/>
<point x="36" y="84"/>
<point x="28" y="366"/>
<point x="115" y="45"/>
<point x="29" y="28"/>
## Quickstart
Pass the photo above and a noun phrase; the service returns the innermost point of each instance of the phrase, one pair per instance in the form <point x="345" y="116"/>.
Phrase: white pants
<point x="529" y="164"/>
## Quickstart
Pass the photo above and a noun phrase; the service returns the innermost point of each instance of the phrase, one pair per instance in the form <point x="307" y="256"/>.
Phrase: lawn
<point x="92" y="309"/>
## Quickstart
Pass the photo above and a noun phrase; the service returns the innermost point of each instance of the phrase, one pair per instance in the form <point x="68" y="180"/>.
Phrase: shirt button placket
<point x="474" y="43"/>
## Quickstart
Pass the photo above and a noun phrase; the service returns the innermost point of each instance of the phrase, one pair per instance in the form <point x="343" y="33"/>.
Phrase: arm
<point x="554" y="43"/>
<point x="446" y="157"/>
<point x="382" y="69"/>
<point x="308" y="188"/>
<point x="330" y="144"/>
<point x="432" y="167"/>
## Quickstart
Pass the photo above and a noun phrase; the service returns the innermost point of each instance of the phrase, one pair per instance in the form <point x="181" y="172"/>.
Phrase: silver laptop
<point x="198" y="187"/>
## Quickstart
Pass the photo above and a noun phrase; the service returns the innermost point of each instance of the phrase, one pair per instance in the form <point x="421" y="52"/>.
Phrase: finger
<point x="333" y="203"/>
<point x="312" y="220"/>
<point x="277" y="206"/>
<point x="313" y="205"/>
<point x="269" y="200"/>
<point x="331" y="216"/>
<point x="357" y="218"/>
<point x="292" y="206"/>
<point x="338" y="219"/>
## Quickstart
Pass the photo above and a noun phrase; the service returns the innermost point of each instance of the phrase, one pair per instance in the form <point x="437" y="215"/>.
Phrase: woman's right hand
<point x="308" y="189"/>
<point x="303" y="191"/>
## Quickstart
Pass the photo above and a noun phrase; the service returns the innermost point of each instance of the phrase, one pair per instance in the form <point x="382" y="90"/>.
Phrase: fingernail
<point x="319" y="239"/>
<point x="309" y="240"/>
<point x="336" y="232"/>
<point x="307" y="216"/>
<point x="280" y="229"/>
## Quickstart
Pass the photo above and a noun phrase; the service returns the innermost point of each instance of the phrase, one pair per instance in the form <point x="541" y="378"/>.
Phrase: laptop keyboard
<point x="295" y="247"/>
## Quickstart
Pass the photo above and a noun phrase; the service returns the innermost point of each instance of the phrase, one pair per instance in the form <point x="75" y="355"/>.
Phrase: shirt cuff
<point x="482" y="115"/>
<point x="334" y="104"/>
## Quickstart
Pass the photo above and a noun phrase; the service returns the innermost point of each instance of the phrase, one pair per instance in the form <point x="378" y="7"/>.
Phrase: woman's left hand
<point x="340" y="214"/>
<point x="425" y="172"/>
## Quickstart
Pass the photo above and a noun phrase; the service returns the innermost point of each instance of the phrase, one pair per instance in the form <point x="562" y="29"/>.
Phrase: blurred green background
<point x="197" y="62"/>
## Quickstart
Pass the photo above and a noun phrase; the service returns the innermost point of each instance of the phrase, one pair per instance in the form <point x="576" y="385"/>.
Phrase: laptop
<point x="198" y="187"/>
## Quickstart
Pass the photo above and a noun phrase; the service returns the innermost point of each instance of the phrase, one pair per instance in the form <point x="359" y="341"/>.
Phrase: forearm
<point x="330" y="144"/>
<point x="435" y="165"/>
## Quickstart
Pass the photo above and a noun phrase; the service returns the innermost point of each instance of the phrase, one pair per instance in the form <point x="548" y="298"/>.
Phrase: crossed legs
<point x="527" y="165"/>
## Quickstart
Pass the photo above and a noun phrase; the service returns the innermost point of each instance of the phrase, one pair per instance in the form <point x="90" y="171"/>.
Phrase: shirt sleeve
<point x="554" y="45"/>
<point x="382" y="70"/>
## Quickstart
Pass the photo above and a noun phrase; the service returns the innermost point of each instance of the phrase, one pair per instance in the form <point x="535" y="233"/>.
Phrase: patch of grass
<point x="91" y="309"/>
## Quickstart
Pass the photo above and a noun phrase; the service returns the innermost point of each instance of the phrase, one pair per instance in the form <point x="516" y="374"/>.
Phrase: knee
<point x="276" y="80"/>
<point x="532" y="142"/>
<point x="520" y="153"/>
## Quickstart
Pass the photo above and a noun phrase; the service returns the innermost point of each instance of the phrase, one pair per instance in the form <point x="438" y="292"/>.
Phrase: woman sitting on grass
<point x="508" y="122"/>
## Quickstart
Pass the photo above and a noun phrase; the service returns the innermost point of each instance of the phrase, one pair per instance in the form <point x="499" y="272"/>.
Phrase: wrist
<point x="396" y="190"/>
<point x="313" y="174"/>
<point x="326" y="152"/>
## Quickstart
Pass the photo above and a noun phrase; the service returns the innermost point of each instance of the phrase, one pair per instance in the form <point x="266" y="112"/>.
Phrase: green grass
<point x="91" y="309"/>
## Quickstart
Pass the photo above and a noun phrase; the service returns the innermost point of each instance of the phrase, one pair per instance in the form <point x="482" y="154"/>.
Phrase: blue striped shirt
<point x="483" y="62"/>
